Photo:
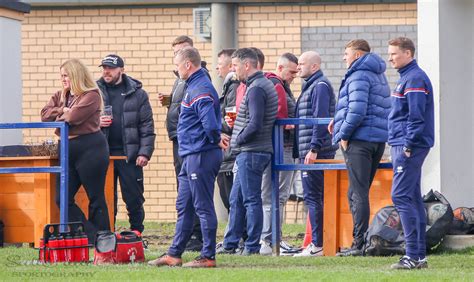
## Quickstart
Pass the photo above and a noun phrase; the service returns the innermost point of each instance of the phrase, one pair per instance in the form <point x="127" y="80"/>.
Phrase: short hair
<point x="246" y="54"/>
<point x="191" y="54"/>
<point x="182" y="39"/>
<point x="359" y="44"/>
<point x="404" y="44"/>
<point x="226" y="52"/>
<point x="260" y="56"/>
<point x="290" y="57"/>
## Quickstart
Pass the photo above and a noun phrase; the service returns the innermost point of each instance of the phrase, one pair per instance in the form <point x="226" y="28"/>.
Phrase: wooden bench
<point x="337" y="227"/>
<point x="27" y="200"/>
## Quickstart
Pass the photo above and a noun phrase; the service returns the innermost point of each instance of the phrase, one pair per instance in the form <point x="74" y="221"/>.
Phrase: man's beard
<point x="113" y="82"/>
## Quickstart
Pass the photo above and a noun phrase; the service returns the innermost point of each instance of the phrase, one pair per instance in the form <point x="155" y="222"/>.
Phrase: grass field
<point x="16" y="264"/>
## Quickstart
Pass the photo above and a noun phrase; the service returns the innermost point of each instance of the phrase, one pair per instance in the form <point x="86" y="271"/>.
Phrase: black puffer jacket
<point x="227" y="99"/>
<point x="138" y="131"/>
<point x="172" y="117"/>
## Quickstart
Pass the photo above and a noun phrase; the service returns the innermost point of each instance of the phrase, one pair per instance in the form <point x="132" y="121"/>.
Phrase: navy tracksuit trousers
<point x="406" y="195"/>
<point x="313" y="191"/>
<point x="195" y="195"/>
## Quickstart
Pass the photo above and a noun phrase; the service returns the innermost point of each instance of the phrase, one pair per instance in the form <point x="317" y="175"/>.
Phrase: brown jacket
<point x="83" y="116"/>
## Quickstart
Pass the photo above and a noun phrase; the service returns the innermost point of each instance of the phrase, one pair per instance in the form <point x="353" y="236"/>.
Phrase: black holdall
<point x="117" y="248"/>
<point x="385" y="235"/>
<point x="439" y="216"/>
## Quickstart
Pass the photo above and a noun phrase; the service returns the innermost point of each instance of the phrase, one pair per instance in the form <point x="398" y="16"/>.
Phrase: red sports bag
<point x="123" y="247"/>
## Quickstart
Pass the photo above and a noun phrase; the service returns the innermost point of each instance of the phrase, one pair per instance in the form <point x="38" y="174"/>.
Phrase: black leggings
<point x="88" y="162"/>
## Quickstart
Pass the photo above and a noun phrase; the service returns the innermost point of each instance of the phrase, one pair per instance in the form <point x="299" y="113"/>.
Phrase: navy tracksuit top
<point x="411" y="120"/>
<point x="199" y="126"/>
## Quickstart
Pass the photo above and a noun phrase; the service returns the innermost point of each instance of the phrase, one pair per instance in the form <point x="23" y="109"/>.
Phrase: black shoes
<point x="408" y="263"/>
<point x="352" y="252"/>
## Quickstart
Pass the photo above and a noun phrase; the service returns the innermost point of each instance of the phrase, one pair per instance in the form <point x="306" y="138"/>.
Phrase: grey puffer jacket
<point x="138" y="129"/>
<point x="262" y="142"/>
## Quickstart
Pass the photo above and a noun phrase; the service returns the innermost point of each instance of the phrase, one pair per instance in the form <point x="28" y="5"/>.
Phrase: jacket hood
<point x="131" y="83"/>
<point x="369" y="62"/>
<point x="273" y="75"/>
<point x="230" y="76"/>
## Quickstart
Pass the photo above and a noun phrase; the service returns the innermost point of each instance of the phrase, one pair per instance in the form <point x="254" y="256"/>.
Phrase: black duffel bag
<point x="439" y="216"/>
<point x="385" y="234"/>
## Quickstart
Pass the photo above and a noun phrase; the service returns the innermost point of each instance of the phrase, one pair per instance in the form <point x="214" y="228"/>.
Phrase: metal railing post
<point x="64" y="191"/>
<point x="275" y="191"/>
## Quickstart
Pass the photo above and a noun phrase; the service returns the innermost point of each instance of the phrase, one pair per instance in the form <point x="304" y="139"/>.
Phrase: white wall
<point x="10" y="79"/>
<point x="445" y="38"/>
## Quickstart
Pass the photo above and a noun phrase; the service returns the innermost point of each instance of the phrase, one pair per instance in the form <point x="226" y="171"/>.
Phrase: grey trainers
<point x="265" y="248"/>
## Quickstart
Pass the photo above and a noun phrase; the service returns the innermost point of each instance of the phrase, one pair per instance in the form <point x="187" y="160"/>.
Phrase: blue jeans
<point x="196" y="196"/>
<point x="406" y="195"/>
<point x="246" y="201"/>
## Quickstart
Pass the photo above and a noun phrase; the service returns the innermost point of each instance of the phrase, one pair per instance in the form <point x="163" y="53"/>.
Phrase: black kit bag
<point x="463" y="221"/>
<point x="385" y="234"/>
<point x="439" y="216"/>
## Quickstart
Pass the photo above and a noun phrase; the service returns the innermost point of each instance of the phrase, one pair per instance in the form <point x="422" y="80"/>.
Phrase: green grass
<point x="15" y="264"/>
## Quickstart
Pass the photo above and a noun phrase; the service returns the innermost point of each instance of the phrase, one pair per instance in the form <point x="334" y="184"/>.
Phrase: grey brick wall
<point x="330" y="42"/>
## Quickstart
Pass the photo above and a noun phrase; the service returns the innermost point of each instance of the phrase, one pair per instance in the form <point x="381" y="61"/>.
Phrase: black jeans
<point x="131" y="185"/>
<point x="177" y="160"/>
<point x="88" y="162"/>
<point x="178" y="163"/>
<point x="225" y="180"/>
<point x="362" y="160"/>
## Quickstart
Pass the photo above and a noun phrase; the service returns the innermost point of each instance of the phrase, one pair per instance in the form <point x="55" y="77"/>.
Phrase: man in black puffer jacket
<point x="129" y="132"/>
<point x="172" y="117"/>
<point x="224" y="69"/>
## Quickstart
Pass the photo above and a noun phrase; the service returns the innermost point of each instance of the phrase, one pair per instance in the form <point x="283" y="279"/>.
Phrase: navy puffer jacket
<point x="364" y="102"/>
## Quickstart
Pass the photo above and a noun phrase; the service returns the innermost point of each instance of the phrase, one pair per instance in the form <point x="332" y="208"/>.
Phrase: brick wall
<point x="142" y="36"/>
<point x="329" y="41"/>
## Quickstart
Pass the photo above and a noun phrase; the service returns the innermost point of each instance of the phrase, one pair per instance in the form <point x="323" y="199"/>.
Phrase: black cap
<point x="113" y="61"/>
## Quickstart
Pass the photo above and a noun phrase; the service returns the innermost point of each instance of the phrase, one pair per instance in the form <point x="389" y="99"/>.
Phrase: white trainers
<point x="310" y="251"/>
<point x="265" y="248"/>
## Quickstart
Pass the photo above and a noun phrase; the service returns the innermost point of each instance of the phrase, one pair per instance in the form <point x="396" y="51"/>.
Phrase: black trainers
<point x="288" y="250"/>
<point x="352" y="252"/>
<point x="408" y="263"/>
<point x="220" y="250"/>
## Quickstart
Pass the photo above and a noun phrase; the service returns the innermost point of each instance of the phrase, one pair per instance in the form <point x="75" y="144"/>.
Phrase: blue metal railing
<point x="278" y="165"/>
<point x="62" y="169"/>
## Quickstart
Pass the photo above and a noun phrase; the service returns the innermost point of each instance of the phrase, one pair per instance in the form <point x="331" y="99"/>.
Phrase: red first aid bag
<point x="123" y="247"/>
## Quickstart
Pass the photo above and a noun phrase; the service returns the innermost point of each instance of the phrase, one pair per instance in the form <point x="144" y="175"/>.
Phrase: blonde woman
<point x="79" y="104"/>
